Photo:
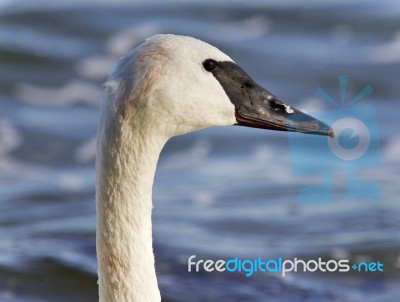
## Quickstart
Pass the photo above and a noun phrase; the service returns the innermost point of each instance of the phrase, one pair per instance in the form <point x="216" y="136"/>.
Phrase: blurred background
<point x="219" y="193"/>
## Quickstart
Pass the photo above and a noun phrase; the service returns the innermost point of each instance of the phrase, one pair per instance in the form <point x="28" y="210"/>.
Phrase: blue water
<point x="219" y="193"/>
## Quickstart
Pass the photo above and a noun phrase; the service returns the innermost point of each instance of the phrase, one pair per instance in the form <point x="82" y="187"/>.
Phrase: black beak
<point x="268" y="112"/>
<point x="258" y="108"/>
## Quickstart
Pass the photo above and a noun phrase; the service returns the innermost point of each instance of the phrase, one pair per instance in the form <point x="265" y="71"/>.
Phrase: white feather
<point x="158" y="91"/>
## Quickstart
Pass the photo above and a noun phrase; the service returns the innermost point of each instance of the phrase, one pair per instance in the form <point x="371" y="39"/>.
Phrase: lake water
<point x="219" y="193"/>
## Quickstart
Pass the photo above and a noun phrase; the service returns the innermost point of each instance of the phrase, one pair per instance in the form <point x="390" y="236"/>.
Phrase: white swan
<point x="169" y="85"/>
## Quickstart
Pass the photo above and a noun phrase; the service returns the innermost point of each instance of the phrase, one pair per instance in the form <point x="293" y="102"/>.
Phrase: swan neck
<point x="126" y="164"/>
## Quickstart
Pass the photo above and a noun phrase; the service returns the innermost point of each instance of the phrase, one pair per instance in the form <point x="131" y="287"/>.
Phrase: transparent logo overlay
<point x="354" y="148"/>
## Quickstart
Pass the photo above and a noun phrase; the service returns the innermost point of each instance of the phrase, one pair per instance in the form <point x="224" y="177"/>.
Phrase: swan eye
<point x="209" y="64"/>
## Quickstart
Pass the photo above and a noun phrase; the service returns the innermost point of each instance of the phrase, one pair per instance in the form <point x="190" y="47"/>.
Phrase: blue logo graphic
<point x="354" y="148"/>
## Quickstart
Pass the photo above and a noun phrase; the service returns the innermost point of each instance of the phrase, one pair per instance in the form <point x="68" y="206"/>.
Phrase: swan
<point x="169" y="85"/>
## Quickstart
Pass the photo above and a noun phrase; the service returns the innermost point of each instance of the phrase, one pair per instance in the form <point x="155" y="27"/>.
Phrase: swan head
<point x="178" y="84"/>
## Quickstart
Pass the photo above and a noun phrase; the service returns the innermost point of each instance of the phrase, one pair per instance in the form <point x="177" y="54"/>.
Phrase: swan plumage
<point x="169" y="85"/>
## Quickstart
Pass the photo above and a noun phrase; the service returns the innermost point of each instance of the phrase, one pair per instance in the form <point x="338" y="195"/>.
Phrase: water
<point x="219" y="193"/>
